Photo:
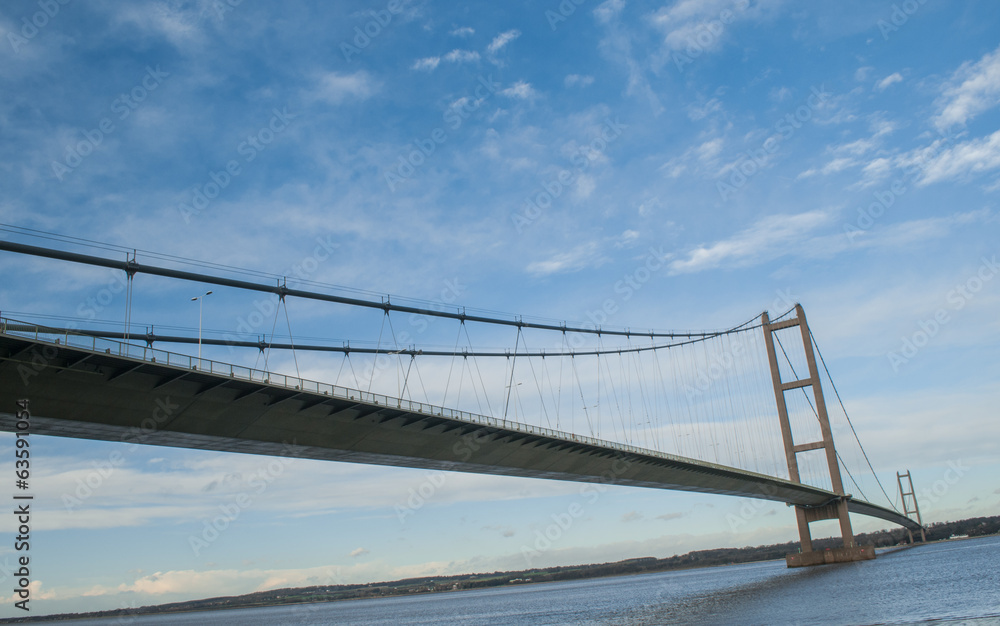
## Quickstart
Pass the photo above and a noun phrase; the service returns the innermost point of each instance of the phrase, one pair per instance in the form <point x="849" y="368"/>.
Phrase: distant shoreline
<point x="884" y="541"/>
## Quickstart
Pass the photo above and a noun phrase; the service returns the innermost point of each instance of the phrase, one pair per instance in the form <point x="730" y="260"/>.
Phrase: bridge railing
<point x="141" y="352"/>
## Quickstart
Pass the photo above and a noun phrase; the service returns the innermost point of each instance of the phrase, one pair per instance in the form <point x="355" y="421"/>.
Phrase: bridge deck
<point x="91" y="388"/>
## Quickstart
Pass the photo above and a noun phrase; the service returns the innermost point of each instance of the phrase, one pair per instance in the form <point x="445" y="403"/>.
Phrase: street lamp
<point x="200" y="299"/>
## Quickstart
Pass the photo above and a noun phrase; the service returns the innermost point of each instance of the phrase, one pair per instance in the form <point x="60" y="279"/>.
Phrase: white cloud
<point x="217" y="582"/>
<point x="335" y="88"/>
<point x="837" y="165"/>
<point x="764" y="240"/>
<point x="972" y="89"/>
<point x="881" y="127"/>
<point x="877" y="170"/>
<point x="427" y="63"/>
<point x="175" y="24"/>
<point x="520" y="90"/>
<point x="574" y="80"/>
<point x="777" y="236"/>
<point x="606" y="11"/>
<point x="695" y="159"/>
<point x="846" y="155"/>
<point x="501" y="40"/>
<point x="191" y="487"/>
<point x="583" y="187"/>
<point x="889" y="80"/>
<point x="857" y="147"/>
<point x="917" y="231"/>
<point x="617" y="46"/>
<point x="780" y="94"/>
<point x="696" y="113"/>
<point x="355" y="553"/>
<point x="695" y="23"/>
<point x="971" y="157"/>
<point x="627" y="237"/>
<point x="461" y="56"/>
<point x="709" y="150"/>
<point x="687" y="10"/>
<point x="463" y="31"/>
<point x="34" y="591"/>
<point x="674" y="168"/>
<point x="584" y="255"/>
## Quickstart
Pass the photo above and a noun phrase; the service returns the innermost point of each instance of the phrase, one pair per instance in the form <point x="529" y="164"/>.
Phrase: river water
<point x="957" y="582"/>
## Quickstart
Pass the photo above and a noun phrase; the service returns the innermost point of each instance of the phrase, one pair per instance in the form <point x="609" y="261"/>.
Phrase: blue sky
<point x="528" y="158"/>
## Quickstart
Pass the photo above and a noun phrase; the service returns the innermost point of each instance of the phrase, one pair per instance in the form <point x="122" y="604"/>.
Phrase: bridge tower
<point x="836" y="508"/>
<point x="907" y="511"/>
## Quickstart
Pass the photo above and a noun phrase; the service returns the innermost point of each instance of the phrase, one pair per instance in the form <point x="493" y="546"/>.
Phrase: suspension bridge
<point x="737" y="412"/>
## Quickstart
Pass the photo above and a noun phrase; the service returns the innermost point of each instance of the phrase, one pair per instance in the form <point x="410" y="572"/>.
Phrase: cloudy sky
<point x="526" y="158"/>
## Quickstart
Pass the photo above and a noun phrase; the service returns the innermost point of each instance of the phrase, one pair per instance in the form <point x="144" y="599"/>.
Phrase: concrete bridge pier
<point x="844" y="554"/>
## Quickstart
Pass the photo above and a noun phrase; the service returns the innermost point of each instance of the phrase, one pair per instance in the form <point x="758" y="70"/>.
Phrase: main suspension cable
<point x="856" y="438"/>
<point x="385" y="303"/>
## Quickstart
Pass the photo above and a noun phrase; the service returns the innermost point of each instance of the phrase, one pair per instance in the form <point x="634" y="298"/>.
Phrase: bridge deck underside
<point x="87" y="394"/>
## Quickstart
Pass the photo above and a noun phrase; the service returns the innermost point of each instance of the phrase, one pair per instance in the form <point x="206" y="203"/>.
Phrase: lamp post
<point x="200" y="299"/>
